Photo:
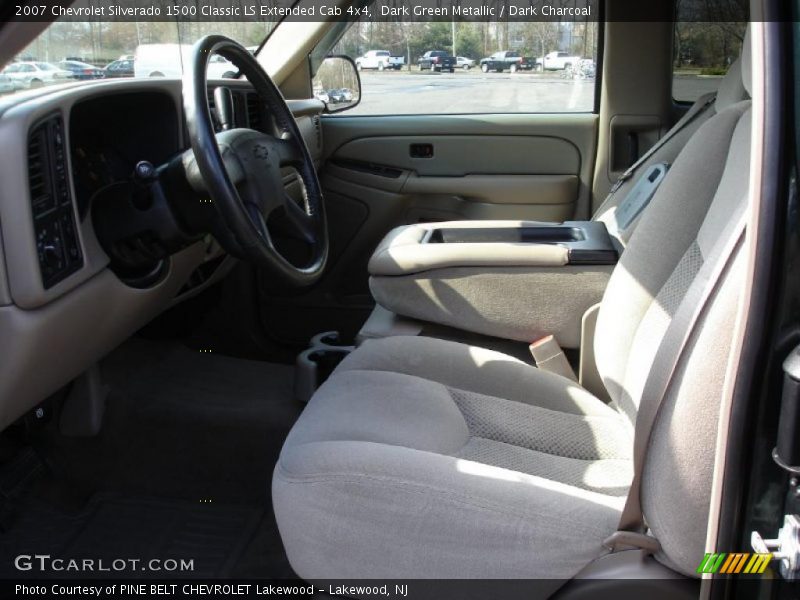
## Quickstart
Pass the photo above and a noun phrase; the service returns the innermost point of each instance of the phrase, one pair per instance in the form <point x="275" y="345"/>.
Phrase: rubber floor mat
<point x="113" y="527"/>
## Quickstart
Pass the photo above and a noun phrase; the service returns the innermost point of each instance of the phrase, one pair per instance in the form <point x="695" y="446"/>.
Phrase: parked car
<point x="380" y="60"/>
<point x="323" y="96"/>
<point x="506" y="59"/>
<point x="588" y="67"/>
<point x="526" y="64"/>
<point x="437" y="60"/>
<point x="556" y="61"/>
<point x="340" y="95"/>
<point x="583" y="69"/>
<point x="82" y="70"/>
<point x="36" y="74"/>
<point x="462" y="62"/>
<point x="119" y="68"/>
<point x="167" y="60"/>
<point x="7" y="85"/>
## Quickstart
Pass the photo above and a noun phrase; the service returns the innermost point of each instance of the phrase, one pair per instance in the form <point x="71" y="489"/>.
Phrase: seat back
<point x="705" y="188"/>
<point x="731" y="91"/>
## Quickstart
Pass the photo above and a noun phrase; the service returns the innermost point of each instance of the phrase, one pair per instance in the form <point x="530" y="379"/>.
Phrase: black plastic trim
<point x="588" y="242"/>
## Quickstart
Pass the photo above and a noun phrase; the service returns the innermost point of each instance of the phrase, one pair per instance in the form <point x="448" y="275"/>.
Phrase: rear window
<point x="707" y="39"/>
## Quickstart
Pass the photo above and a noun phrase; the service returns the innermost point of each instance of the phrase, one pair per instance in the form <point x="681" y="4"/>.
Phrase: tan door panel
<point x="515" y="165"/>
<point x="518" y="190"/>
<point x="487" y="166"/>
<point x="545" y="197"/>
<point x="459" y="155"/>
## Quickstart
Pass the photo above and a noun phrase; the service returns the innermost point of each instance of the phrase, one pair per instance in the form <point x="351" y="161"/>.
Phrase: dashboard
<point x="62" y="304"/>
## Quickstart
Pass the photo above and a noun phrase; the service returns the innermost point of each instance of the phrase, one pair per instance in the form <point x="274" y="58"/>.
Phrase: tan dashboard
<point x="61" y="307"/>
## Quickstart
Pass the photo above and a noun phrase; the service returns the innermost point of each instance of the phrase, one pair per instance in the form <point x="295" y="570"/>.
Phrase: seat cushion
<point x="428" y="470"/>
<point x="475" y="369"/>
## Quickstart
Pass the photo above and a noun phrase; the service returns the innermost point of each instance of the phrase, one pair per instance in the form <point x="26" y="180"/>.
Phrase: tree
<point x="541" y="37"/>
<point x="468" y="40"/>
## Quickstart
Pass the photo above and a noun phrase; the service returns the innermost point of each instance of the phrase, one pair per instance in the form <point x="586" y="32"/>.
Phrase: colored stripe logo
<point x="734" y="563"/>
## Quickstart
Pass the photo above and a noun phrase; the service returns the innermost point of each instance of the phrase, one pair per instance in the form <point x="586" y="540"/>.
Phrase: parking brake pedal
<point x="83" y="409"/>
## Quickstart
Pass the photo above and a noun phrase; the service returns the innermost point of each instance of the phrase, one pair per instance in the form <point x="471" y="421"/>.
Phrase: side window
<point x="705" y="45"/>
<point x="535" y="67"/>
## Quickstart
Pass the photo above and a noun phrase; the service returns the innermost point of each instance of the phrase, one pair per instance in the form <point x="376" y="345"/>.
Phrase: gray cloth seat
<point x="429" y="432"/>
<point x="423" y="458"/>
<point x="731" y="91"/>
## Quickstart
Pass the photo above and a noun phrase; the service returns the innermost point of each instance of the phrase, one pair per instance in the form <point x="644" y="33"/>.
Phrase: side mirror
<point x="337" y="84"/>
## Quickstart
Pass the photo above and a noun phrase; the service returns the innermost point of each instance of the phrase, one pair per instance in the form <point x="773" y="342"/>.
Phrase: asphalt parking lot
<point x="414" y="92"/>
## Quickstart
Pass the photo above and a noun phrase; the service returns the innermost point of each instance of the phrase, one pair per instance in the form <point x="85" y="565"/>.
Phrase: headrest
<point x="731" y="89"/>
<point x="747" y="62"/>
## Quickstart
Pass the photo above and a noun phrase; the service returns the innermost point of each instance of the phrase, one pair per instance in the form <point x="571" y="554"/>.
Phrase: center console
<point x="586" y="242"/>
<point x="517" y="280"/>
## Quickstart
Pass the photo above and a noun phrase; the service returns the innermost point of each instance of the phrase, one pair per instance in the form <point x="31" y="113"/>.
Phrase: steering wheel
<point x="241" y="169"/>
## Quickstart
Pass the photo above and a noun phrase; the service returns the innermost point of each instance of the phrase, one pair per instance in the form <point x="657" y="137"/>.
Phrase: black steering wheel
<point x="241" y="169"/>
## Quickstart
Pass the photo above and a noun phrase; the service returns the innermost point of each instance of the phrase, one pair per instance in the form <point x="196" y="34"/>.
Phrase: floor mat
<point x="183" y="464"/>
<point x="212" y="537"/>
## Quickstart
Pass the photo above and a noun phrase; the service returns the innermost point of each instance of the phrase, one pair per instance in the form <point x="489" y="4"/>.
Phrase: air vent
<point x="41" y="199"/>
<point x="51" y="202"/>
<point x="255" y="115"/>
<point x="212" y="110"/>
<point x="238" y="110"/>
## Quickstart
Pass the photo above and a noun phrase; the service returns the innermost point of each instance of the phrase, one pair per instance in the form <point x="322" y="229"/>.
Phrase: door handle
<point x="633" y="146"/>
<point x="421" y="150"/>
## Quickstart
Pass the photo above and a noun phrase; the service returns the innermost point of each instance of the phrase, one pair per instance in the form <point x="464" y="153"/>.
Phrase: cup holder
<point x="330" y="339"/>
<point x="314" y="365"/>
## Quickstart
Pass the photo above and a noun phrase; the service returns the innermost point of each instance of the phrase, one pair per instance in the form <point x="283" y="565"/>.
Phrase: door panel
<point x="536" y="197"/>
<point x="533" y="167"/>
<point x="522" y="166"/>
<point x="484" y="158"/>
<point x="459" y="155"/>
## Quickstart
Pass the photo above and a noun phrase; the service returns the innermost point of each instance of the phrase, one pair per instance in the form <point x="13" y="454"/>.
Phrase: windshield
<point x="135" y="49"/>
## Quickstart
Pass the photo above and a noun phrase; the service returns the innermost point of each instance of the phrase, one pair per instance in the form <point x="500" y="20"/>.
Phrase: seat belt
<point x="548" y="356"/>
<point x="631" y="529"/>
<point x="696" y="109"/>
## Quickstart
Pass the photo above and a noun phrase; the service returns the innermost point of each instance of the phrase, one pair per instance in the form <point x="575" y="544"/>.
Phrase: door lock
<point x="785" y="548"/>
